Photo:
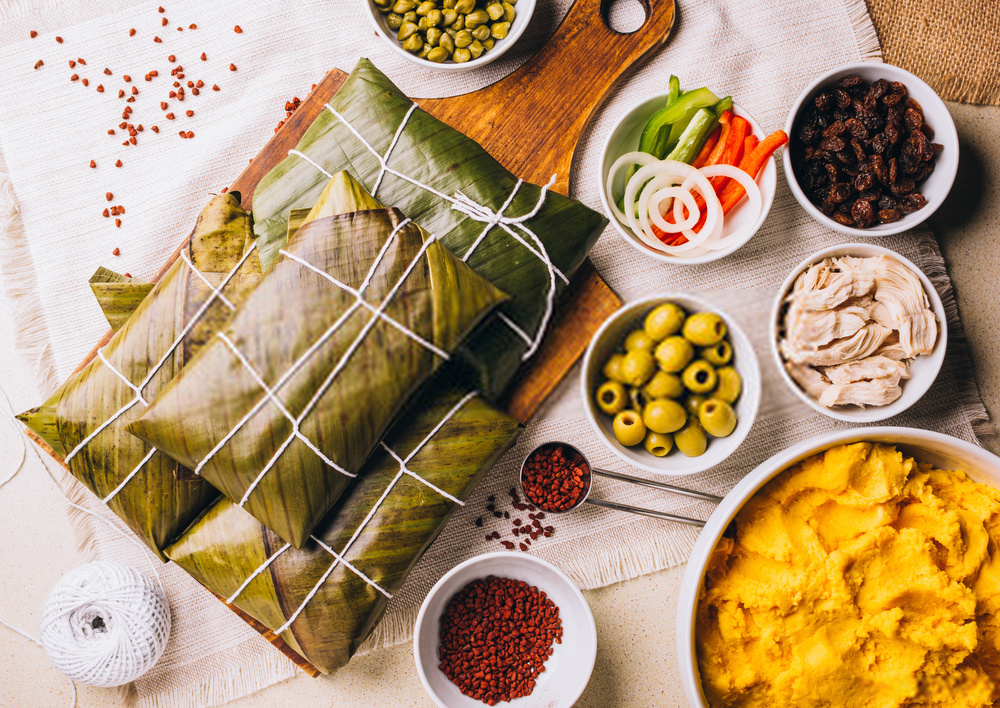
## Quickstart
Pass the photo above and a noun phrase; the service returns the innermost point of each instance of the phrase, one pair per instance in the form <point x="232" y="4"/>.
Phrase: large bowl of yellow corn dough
<point x="858" y="568"/>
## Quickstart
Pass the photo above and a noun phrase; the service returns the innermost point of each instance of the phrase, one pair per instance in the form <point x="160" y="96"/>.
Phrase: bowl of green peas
<point x="671" y="384"/>
<point x="451" y="34"/>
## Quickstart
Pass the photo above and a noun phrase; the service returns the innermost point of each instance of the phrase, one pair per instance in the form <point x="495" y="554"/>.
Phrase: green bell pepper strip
<point x="693" y="137"/>
<point x="724" y="105"/>
<point x="656" y="135"/>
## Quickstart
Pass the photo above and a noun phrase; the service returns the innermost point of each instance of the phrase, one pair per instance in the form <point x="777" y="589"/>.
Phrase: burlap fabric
<point x="953" y="45"/>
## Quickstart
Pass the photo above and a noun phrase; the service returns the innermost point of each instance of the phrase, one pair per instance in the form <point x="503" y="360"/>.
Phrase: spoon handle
<point x="659" y="485"/>
<point x="646" y="512"/>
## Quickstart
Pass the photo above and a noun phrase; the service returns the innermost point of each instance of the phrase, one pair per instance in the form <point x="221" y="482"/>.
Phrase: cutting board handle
<point x="532" y="120"/>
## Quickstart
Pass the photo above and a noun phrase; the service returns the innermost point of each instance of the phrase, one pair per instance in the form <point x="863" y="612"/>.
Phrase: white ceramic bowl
<point x="608" y="340"/>
<point x="524" y="8"/>
<point x="567" y="671"/>
<point x="923" y="369"/>
<point x="935" y="188"/>
<point x="941" y="450"/>
<point x="625" y="138"/>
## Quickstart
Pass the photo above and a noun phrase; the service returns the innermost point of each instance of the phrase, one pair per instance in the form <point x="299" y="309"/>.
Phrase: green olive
<point x="438" y="55"/>
<point x="664" y="385"/>
<point x="413" y="43"/>
<point x="403" y="6"/>
<point x="730" y="384"/>
<point x="406" y="30"/>
<point x="718" y="354"/>
<point x="664" y="321"/>
<point x="476" y="49"/>
<point x="611" y="397"/>
<point x="500" y="30"/>
<point x="691" y="439"/>
<point x="636" y="398"/>
<point x="699" y="377"/>
<point x="394" y="21"/>
<point x="463" y="39"/>
<point x="638" y="367"/>
<point x="464" y="7"/>
<point x="628" y="428"/>
<point x="461" y="55"/>
<point x="433" y="36"/>
<point x="424" y="8"/>
<point x="664" y="416"/>
<point x="488" y="43"/>
<point x="482" y="33"/>
<point x="509" y="13"/>
<point x="638" y="339"/>
<point x="674" y="353"/>
<point x="435" y="18"/>
<point x="495" y="11"/>
<point x="704" y="329"/>
<point x="448" y="17"/>
<point x="693" y="404"/>
<point x="476" y="18"/>
<point x="658" y="444"/>
<point x="717" y="418"/>
<point x="447" y="43"/>
<point x="613" y="368"/>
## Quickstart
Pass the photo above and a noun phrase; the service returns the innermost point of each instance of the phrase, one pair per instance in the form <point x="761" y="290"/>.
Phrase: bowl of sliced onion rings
<point x="672" y="211"/>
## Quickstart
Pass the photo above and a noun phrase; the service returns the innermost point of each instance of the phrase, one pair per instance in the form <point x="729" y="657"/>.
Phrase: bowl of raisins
<point x="872" y="150"/>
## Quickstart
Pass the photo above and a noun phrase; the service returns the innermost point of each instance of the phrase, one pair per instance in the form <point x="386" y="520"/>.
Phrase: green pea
<point x="410" y="16"/>
<point x="433" y="36"/>
<point x="461" y="56"/>
<point x="394" y="21"/>
<point x="413" y="43"/>
<point x="447" y="43"/>
<point x="500" y="30"/>
<point x="422" y="23"/>
<point x="476" y="49"/>
<point x="495" y="11"/>
<point x="476" y="18"/>
<point x="464" y="7"/>
<point x="482" y="33"/>
<point x="463" y="39"/>
<point x="438" y="55"/>
<point x="488" y="44"/>
<point x="406" y="30"/>
<point x="434" y="18"/>
<point x="448" y="17"/>
<point x="403" y="6"/>
<point x="425" y="7"/>
<point x="509" y="13"/>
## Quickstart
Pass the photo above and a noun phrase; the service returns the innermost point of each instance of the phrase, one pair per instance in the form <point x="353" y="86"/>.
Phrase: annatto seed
<point x="32" y="34"/>
<point x="93" y="163"/>
<point x="131" y="32"/>
<point x="238" y="30"/>
<point x="204" y="57"/>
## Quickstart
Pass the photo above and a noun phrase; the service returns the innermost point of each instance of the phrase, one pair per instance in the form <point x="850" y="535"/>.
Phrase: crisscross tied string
<point x="460" y="202"/>
<point x="271" y="392"/>
<point x="137" y="389"/>
<point x="339" y="558"/>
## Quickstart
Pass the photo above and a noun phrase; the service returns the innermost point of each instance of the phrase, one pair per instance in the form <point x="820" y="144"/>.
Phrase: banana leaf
<point x="281" y="412"/>
<point x="226" y="546"/>
<point x="85" y="420"/>
<point x="118" y="295"/>
<point x="439" y="157"/>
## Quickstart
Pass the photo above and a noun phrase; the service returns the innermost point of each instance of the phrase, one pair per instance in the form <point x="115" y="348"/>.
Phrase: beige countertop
<point x="636" y="663"/>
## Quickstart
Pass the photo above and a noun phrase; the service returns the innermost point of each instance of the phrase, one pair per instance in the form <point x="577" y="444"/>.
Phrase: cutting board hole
<point x="625" y="16"/>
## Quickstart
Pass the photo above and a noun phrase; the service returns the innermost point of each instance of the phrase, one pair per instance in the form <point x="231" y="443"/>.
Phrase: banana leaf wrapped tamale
<point x="325" y="598"/>
<point x="85" y="420"/>
<point x="281" y="410"/>
<point x="372" y="130"/>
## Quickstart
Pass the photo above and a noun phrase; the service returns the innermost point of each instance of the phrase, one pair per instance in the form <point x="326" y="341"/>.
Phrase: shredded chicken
<point x="851" y="327"/>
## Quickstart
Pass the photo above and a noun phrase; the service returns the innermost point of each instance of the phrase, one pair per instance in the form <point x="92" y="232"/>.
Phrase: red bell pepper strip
<point x="707" y="148"/>
<point x="752" y="163"/>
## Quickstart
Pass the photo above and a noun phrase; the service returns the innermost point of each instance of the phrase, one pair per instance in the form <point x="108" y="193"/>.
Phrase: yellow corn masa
<point x="856" y="578"/>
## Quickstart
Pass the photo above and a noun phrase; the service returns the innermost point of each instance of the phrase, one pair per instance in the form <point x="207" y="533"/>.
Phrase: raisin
<point x="923" y="171"/>
<point x="902" y="187"/>
<point x="887" y="202"/>
<point x="835" y="129"/>
<point x="809" y="134"/>
<point x="824" y="102"/>
<point x="871" y="120"/>
<point x="912" y="103"/>
<point x="856" y="129"/>
<point x="843" y="219"/>
<point x="841" y="114"/>
<point x="937" y="147"/>
<point x="897" y="87"/>
<point x="845" y="207"/>
<point x="893" y="171"/>
<point x="892" y="99"/>
<point x="887" y="216"/>
<point x="828" y="206"/>
<point x="832" y="144"/>
<point x="912" y="120"/>
<point x="840" y="192"/>
<point x="845" y="157"/>
<point x="877" y="90"/>
<point x="912" y="202"/>
<point x="832" y="171"/>
<point x="880" y="143"/>
<point x="895" y="115"/>
<point x="863" y="182"/>
<point x="859" y="151"/>
<point x="862" y="213"/>
<point x="842" y="98"/>
<point x="892" y="134"/>
<point x="870" y="195"/>
<point x="849" y="82"/>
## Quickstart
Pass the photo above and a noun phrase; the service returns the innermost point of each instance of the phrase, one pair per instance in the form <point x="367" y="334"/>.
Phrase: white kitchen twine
<point x="8" y="414"/>
<point x="105" y="624"/>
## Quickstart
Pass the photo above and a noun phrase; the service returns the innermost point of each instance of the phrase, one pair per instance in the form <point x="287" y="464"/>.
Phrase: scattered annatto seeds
<point x="100" y="88"/>
<point x="109" y="196"/>
<point x="155" y="129"/>
<point x="160" y="10"/>
<point x="215" y="87"/>
<point x="189" y="113"/>
<point x="135" y="90"/>
<point x="171" y="58"/>
<point x="118" y="223"/>
<point x="238" y="30"/>
<point x="163" y="105"/>
<point x="128" y="275"/>
<point x="39" y="64"/>
<point x="111" y="131"/>
<point x="121" y="93"/>
<point x="192" y="26"/>
<point x="163" y="21"/>
<point x="93" y="163"/>
<point x="204" y="57"/>
<point x="59" y="40"/>
<point x="127" y="78"/>
<point x="232" y="67"/>
<point x="180" y="29"/>
<point x="190" y="83"/>
<point x="118" y="163"/>
<point x="195" y="91"/>
<point x="117" y="251"/>
<point x="107" y="71"/>
<point x="106" y="213"/>
<point x="131" y="32"/>
<point x="130" y="99"/>
<point x="81" y="61"/>
<point x="157" y="40"/>
<point x="32" y="34"/>
<point x="139" y="127"/>
<point x="72" y="64"/>
<point x="74" y="77"/>
<point x="85" y="82"/>
<point x="132" y="140"/>
<point x="154" y="73"/>
<point x="169" y="116"/>
<point x="199" y="84"/>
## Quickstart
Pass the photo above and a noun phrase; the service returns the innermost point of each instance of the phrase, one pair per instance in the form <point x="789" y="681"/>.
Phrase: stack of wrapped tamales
<point x="326" y="363"/>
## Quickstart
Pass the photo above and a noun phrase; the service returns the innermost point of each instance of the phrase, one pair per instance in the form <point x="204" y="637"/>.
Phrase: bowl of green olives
<point x="671" y="384"/>
<point x="450" y="34"/>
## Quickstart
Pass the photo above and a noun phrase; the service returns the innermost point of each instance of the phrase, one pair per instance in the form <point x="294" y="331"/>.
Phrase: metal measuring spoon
<point x="580" y="460"/>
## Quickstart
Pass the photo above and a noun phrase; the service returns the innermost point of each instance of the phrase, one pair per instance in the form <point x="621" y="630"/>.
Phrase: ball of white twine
<point x="105" y="624"/>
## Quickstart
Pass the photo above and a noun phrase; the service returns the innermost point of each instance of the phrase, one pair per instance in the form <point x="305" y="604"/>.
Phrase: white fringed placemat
<point x="53" y="237"/>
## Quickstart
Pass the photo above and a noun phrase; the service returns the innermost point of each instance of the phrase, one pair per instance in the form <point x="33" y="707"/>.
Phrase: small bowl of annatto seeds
<point x="671" y="384"/>
<point x="872" y="150"/>
<point x="450" y="34"/>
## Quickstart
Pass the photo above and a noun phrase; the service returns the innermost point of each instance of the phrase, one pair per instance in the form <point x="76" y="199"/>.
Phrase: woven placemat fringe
<point x="864" y="30"/>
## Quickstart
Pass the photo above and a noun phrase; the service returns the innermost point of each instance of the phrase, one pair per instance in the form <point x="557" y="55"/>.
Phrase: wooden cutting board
<point x="530" y="122"/>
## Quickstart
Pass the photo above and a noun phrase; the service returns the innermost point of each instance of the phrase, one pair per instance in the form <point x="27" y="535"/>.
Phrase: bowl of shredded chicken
<point x="860" y="332"/>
